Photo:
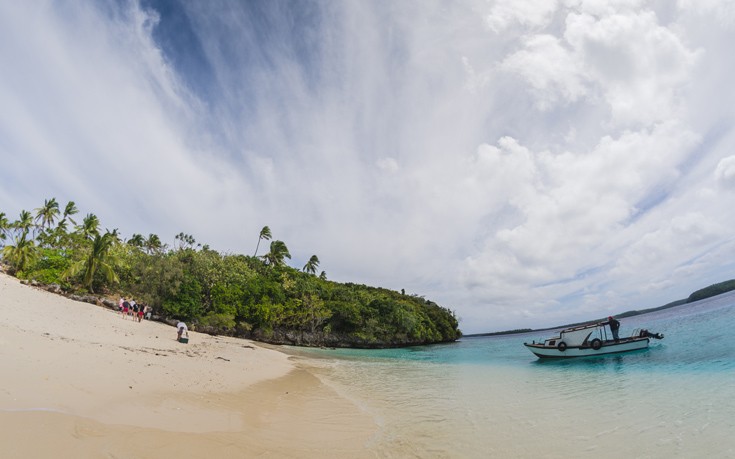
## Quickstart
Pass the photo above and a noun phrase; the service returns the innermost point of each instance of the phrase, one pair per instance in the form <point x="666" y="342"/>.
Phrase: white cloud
<point x="571" y="209"/>
<point x="622" y="58"/>
<point x="105" y="114"/>
<point x="552" y="71"/>
<point x="690" y="234"/>
<point x="721" y="11"/>
<point x="531" y="13"/>
<point x="637" y="63"/>
<point x="389" y="165"/>
<point x="725" y="172"/>
<point x="526" y="163"/>
<point x="604" y="7"/>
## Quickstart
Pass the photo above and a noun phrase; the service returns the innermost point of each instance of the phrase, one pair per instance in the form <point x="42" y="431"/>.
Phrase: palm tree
<point x="137" y="240"/>
<point x="186" y="241"/>
<point x="24" y="222"/>
<point x="115" y="234"/>
<point x="47" y="214"/>
<point x="21" y="253"/>
<point x="323" y="275"/>
<point x="62" y="227"/>
<point x="265" y="233"/>
<point x="97" y="260"/>
<point x="4" y="226"/>
<point x="153" y="243"/>
<point x="70" y="210"/>
<point x="278" y="252"/>
<point x="60" y="231"/>
<point x="311" y="265"/>
<point x="90" y="226"/>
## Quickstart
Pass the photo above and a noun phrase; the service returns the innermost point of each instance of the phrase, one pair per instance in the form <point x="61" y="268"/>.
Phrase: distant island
<point x="253" y="296"/>
<point x="701" y="294"/>
<point x="712" y="290"/>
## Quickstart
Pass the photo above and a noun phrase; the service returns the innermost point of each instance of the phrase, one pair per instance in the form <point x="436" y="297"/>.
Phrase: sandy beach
<point x="81" y="381"/>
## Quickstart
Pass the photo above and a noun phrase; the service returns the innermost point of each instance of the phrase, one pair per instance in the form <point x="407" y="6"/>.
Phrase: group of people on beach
<point x="138" y="311"/>
<point x="135" y="310"/>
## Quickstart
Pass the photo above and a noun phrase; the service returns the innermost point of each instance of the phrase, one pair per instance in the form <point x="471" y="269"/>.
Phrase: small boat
<point x="587" y="340"/>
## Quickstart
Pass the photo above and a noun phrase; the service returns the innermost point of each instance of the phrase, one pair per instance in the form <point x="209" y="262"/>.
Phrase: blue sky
<point x="523" y="163"/>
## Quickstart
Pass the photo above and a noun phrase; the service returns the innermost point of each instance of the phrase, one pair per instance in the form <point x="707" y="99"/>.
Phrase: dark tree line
<point x="712" y="290"/>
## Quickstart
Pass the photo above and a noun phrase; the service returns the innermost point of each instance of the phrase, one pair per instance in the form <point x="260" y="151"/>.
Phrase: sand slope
<point x="81" y="381"/>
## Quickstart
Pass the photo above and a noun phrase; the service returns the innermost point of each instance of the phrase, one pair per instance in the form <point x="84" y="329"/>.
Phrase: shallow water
<point x="490" y="397"/>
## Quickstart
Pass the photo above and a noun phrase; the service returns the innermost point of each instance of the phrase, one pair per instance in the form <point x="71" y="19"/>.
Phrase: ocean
<point x="489" y="397"/>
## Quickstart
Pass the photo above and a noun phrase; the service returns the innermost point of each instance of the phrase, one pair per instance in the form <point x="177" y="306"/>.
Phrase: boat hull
<point x="608" y="347"/>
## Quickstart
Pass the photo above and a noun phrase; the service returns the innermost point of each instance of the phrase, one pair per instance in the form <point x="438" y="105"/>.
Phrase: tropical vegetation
<point x="259" y="297"/>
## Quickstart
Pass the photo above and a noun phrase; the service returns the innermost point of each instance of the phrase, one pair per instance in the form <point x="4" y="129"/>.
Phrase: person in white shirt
<point x="182" y="330"/>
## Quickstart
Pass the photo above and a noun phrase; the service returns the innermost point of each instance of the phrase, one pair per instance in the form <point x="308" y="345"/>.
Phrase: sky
<point x="523" y="163"/>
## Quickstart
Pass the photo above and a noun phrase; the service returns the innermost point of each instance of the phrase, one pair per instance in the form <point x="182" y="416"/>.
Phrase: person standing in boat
<point x="614" y="327"/>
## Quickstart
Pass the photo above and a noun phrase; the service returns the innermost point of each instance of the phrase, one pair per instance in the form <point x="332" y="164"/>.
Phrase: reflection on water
<point x="490" y="397"/>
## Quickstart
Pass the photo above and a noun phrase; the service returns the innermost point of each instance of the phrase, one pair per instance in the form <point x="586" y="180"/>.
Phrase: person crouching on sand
<point x="182" y="330"/>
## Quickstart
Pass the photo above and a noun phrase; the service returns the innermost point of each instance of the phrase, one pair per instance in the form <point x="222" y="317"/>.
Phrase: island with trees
<point x="712" y="290"/>
<point x="251" y="296"/>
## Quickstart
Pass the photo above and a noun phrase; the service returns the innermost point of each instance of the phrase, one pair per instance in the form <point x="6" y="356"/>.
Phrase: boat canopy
<point x="575" y="336"/>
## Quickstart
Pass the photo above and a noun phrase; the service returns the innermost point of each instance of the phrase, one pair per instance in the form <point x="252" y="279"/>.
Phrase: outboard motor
<point x="647" y="334"/>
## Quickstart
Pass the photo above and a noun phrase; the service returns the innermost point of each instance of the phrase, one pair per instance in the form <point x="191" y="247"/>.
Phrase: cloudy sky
<point x="524" y="163"/>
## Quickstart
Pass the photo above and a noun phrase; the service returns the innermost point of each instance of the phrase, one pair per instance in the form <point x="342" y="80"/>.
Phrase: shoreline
<point x="81" y="381"/>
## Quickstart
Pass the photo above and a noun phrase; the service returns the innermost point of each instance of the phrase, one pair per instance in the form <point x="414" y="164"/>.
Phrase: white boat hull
<point x="608" y="347"/>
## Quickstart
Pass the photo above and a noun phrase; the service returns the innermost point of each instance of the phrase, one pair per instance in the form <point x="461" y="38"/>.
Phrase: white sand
<point x="78" y="380"/>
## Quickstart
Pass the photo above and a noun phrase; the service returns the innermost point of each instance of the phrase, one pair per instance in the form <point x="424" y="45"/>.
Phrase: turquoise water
<point x="490" y="397"/>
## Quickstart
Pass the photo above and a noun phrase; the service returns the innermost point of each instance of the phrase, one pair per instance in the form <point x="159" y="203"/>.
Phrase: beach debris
<point x="222" y="358"/>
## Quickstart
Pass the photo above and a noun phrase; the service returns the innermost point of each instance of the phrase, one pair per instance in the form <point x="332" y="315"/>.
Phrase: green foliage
<point x="311" y="265"/>
<point x="185" y="303"/>
<point x="49" y="266"/>
<point x="265" y="234"/>
<point x="222" y="322"/>
<point x="97" y="260"/>
<point x="277" y="255"/>
<point x="46" y="215"/>
<point x="4" y="226"/>
<point x="137" y="240"/>
<point x="260" y="297"/>
<point x="90" y="226"/>
<point x="22" y="253"/>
